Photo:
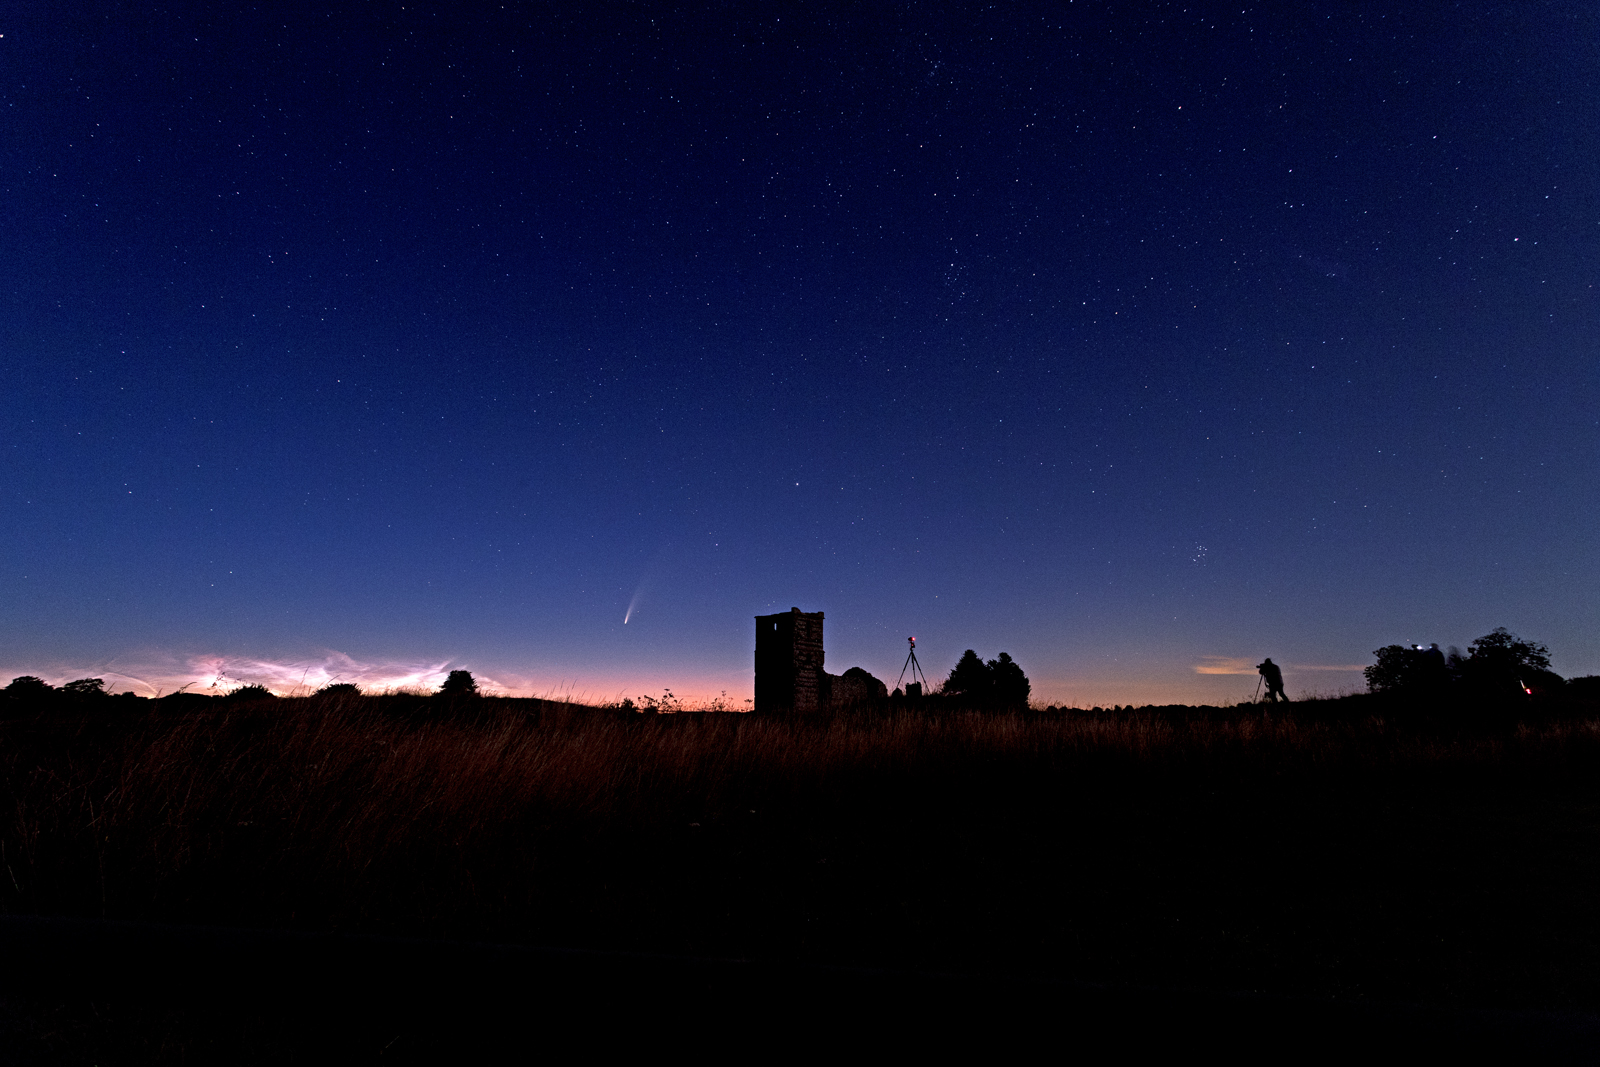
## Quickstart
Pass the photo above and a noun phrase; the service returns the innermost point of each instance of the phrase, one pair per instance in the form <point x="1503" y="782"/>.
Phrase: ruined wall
<point x="855" y="688"/>
<point x="789" y="674"/>
<point x="789" y="659"/>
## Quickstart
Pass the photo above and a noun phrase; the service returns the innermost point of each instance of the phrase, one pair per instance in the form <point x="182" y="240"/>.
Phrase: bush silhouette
<point x="1011" y="686"/>
<point x="348" y="689"/>
<point x="85" y="688"/>
<point x="251" y="692"/>
<point x="969" y="678"/>
<point x="1399" y="667"/>
<point x="1499" y="664"/>
<point x="28" y="687"/>
<point x="998" y="683"/>
<point x="459" y="684"/>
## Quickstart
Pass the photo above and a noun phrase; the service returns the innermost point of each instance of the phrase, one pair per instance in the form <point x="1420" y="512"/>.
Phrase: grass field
<point x="1331" y="848"/>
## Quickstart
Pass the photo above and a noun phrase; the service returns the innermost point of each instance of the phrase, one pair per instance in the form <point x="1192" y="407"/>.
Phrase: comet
<point x="638" y="595"/>
<point x="647" y="583"/>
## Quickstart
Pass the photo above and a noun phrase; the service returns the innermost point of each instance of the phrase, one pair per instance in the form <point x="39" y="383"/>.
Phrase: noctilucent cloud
<point x="1138" y="341"/>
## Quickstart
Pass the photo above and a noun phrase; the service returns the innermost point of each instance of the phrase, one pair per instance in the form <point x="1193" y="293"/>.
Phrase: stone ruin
<point x="789" y="674"/>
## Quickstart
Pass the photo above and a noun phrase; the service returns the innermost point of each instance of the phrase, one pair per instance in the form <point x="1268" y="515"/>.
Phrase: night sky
<point x="1141" y="341"/>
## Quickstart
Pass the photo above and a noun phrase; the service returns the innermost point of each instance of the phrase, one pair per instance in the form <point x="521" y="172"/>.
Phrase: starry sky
<point x="362" y="342"/>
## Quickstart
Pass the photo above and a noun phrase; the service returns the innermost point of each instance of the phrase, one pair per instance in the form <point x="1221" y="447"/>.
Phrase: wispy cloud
<point x="302" y="675"/>
<point x="1224" y="665"/>
<point x="1240" y="665"/>
<point x="210" y="673"/>
<point x="159" y="673"/>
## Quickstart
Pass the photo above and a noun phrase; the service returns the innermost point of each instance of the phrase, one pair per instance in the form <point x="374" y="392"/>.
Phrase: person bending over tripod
<point x="1274" y="678"/>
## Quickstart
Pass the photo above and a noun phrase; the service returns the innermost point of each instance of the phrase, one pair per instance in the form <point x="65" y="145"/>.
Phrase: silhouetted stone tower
<point x="789" y="661"/>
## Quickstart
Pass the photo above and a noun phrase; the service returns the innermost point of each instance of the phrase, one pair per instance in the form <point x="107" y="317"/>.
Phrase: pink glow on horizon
<point x="1216" y="680"/>
<point x="1240" y="665"/>
<point x="163" y="674"/>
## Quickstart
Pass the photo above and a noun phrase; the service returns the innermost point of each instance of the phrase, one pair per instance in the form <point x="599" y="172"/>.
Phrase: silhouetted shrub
<point x="28" y="688"/>
<point x="1499" y="666"/>
<point x="1011" y="686"/>
<point x="459" y="684"/>
<point x="1399" y="668"/>
<point x="349" y="689"/>
<point x="85" y="689"/>
<point x="998" y="683"/>
<point x="1502" y="664"/>
<point x="668" y="704"/>
<point x="251" y="692"/>
<point x="968" y="678"/>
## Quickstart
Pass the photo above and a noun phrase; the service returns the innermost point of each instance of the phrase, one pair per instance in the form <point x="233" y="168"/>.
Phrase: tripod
<point x="915" y="668"/>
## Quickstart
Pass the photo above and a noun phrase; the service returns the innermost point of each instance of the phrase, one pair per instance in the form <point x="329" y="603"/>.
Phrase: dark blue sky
<point x="1130" y="339"/>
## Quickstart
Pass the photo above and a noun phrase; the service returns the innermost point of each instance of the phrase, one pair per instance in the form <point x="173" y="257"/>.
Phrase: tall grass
<point x="994" y="838"/>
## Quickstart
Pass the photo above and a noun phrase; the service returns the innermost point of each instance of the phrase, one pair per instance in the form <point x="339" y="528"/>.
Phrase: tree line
<point x="92" y="690"/>
<point x="998" y="683"/>
<point x="1495" y="666"/>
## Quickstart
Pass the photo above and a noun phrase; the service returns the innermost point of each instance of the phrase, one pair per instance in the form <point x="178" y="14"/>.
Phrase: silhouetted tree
<point x="998" y="683"/>
<point x="85" y="689"/>
<point x="1504" y="648"/>
<point x="1501" y="663"/>
<point x="1497" y="665"/>
<point x="1011" y="686"/>
<point x="459" y="684"/>
<point x="969" y="679"/>
<point x="28" y="687"/>
<point x="1399" y="668"/>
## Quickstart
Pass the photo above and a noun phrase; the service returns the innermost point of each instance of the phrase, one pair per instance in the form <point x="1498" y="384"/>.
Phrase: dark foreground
<point x="108" y="992"/>
<point x="1343" y="872"/>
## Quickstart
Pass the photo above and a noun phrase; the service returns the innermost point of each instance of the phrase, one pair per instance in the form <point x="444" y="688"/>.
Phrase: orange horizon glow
<point x="1215" y="680"/>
